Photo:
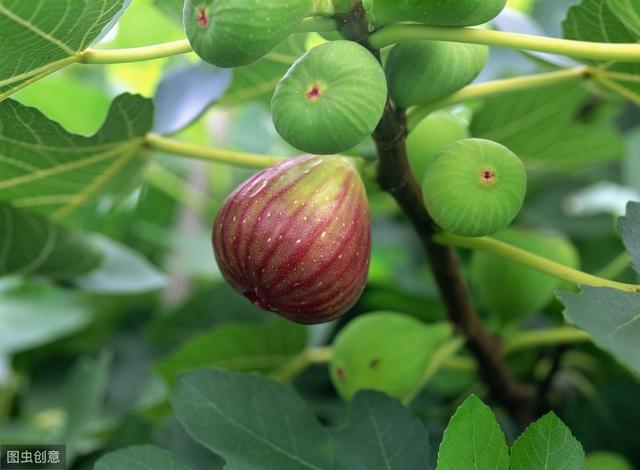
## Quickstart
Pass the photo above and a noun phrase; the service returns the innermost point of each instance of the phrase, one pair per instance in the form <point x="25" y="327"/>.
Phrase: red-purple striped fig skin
<point x="296" y="238"/>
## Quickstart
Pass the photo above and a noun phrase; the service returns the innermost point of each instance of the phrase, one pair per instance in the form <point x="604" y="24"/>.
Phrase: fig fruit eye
<point x="434" y="12"/>
<point x="331" y="99"/>
<point x="423" y="71"/>
<point x="510" y="291"/>
<point x="383" y="351"/>
<point x="430" y="137"/>
<point x="233" y="33"/>
<point x="474" y="187"/>
<point x="296" y="238"/>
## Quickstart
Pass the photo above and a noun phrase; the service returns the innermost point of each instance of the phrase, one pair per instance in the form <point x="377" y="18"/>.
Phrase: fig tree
<point x="420" y="72"/>
<point x="296" y="238"/>
<point x="474" y="187"/>
<point x="330" y="99"/>
<point x="434" y="12"/>
<point x="232" y="33"/>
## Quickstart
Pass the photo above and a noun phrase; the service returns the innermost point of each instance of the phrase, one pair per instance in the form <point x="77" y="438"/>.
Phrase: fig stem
<point x="303" y="360"/>
<point x="212" y="154"/>
<point x="544" y="265"/>
<point x="182" y="46"/>
<point x="497" y="87"/>
<point x="567" y="47"/>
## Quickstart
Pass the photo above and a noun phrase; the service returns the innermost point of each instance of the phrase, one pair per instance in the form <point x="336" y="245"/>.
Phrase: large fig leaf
<point x="243" y="416"/>
<point x="45" y="169"/>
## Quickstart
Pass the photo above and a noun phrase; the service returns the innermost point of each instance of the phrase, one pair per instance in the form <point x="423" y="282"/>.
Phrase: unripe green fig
<point x="510" y="291"/>
<point x="383" y="351"/>
<point x="607" y="461"/>
<point x="330" y="99"/>
<point x="434" y="12"/>
<point x="420" y="72"/>
<point x="296" y="238"/>
<point x="474" y="187"/>
<point x="430" y="137"/>
<point x="233" y="33"/>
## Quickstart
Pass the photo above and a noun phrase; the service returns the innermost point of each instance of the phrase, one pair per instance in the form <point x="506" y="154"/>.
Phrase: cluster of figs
<point x="295" y="239"/>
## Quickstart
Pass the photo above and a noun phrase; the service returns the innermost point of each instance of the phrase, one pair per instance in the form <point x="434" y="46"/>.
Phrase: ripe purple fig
<point x="296" y="238"/>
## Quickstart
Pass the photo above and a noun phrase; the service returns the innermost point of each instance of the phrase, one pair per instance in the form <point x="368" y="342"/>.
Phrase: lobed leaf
<point x="256" y="423"/>
<point x="46" y="169"/>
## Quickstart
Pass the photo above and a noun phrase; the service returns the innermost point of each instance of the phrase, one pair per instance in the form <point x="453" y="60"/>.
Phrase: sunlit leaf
<point x="44" y="168"/>
<point x="38" y="37"/>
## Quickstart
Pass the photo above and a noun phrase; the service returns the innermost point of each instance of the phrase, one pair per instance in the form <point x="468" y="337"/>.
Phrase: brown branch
<point x="395" y="177"/>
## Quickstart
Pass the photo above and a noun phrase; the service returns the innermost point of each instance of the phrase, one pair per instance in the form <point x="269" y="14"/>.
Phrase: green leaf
<point x="30" y="244"/>
<point x="256" y="423"/>
<point x="252" y="422"/>
<point x="84" y="391"/>
<point x="630" y="228"/>
<point x="262" y="347"/>
<point x="140" y="458"/>
<point x="473" y="439"/>
<point x="32" y="315"/>
<point x="547" y="444"/>
<point x="41" y="36"/>
<point x="122" y="271"/>
<point x="612" y="318"/>
<point x="628" y="12"/>
<point x="382" y="434"/>
<point x="45" y="169"/>
<point x="593" y="20"/>
<point x="541" y="127"/>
